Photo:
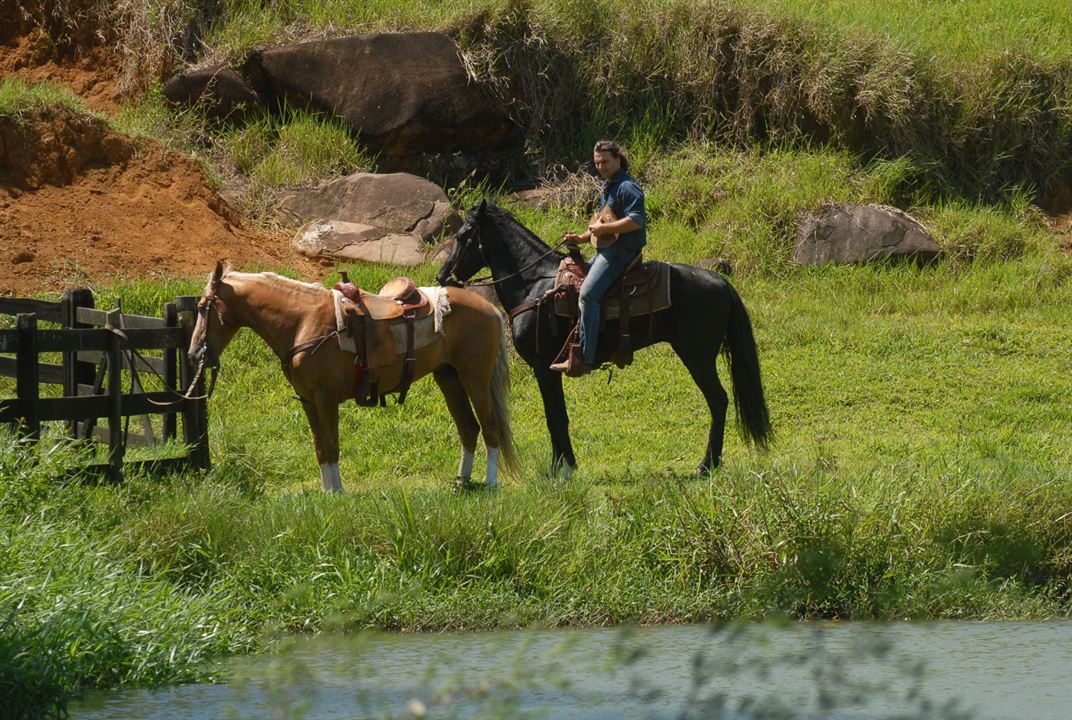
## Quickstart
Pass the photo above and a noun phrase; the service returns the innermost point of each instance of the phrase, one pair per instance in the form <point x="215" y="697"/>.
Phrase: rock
<point x="404" y="94"/>
<point x="395" y="202"/>
<point x="852" y="234"/>
<point x="223" y="91"/>
<point x="341" y="240"/>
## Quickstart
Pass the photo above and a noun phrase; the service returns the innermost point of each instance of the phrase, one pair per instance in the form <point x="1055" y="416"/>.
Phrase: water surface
<point x="983" y="671"/>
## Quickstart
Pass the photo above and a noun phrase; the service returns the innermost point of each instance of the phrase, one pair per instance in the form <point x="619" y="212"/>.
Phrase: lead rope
<point x="135" y="356"/>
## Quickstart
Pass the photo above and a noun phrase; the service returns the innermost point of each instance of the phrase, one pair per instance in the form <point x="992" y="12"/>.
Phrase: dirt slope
<point x="81" y="203"/>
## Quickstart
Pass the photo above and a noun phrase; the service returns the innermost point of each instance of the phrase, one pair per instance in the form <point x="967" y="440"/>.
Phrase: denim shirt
<point x="626" y="199"/>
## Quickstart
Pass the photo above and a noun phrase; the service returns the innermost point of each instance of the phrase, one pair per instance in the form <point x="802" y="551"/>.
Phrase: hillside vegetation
<point x="977" y="95"/>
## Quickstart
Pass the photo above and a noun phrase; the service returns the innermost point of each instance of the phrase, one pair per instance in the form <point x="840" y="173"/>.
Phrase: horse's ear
<point x="482" y="207"/>
<point x="218" y="272"/>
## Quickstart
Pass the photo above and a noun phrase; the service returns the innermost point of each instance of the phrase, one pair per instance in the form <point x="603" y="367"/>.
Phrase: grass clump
<point x="20" y="100"/>
<point x="296" y="148"/>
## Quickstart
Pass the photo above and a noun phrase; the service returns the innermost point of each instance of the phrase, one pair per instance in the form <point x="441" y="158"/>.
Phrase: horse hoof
<point x="463" y="483"/>
<point x="705" y="469"/>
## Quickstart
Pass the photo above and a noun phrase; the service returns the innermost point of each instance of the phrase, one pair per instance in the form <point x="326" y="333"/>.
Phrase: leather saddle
<point x="644" y="289"/>
<point x="370" y="317"/>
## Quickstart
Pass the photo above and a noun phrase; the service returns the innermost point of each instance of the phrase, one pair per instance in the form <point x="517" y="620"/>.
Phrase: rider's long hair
<point x="615" y="150"/>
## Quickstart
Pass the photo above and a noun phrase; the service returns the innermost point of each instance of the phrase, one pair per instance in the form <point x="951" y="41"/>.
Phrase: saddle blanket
<point x="425" y="330"/>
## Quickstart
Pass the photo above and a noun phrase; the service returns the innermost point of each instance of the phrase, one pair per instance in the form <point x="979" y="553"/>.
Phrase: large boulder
<point x="355" y="242"/>
<point x="389" y="218"/>
<point x="852" y="234"/>
<point x="221" y="90"/>
<point x="405" y="94"/>
<point x="396" y="202"/>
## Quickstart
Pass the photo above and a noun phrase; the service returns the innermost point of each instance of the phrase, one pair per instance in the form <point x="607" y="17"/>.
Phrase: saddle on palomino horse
<point x="644" y="289"/>
<point x="370" y="320"/>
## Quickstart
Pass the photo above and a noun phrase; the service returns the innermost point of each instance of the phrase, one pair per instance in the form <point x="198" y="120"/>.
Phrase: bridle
<point x="207" y="304"/>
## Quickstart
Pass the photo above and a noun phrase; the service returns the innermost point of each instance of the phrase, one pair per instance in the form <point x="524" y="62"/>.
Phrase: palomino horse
<point x="706" y="315"/>
<point x="468" y="360"/>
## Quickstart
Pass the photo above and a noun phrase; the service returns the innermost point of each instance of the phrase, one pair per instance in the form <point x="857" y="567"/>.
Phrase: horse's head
<point x="467" y="255"/>
<point x="215" y="322"/>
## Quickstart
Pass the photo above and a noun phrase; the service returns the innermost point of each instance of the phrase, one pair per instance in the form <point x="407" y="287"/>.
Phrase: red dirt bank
<point x="81" y="203"/>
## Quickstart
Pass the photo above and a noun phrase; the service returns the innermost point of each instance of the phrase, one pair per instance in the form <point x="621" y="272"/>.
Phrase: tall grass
<point x="708" y="70"/>
<point x="922" y="471"/>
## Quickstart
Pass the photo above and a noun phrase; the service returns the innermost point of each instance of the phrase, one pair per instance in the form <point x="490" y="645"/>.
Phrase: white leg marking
<point x="492" y="479"/>
<point x="566" y="472"/>
<point x="330" y="478"/>
<point x="465" y="467"/>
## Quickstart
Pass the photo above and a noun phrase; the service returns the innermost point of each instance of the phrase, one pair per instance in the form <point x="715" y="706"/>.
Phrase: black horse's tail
<point x="753" y="417"/>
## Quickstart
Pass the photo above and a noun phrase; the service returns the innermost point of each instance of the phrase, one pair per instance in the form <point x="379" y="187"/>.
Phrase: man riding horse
<point x="618" y="239"/>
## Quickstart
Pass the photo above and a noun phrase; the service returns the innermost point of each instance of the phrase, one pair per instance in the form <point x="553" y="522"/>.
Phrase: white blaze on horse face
<point x="465" y="467"/>
<point x="330" y="478"/>
<point x="197" y="338"/>
<point x="492" y="479"/>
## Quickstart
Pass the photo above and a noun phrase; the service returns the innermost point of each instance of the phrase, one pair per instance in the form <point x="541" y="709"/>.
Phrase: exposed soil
<point x="88" y="72"/>
<point x="80" y="203"/>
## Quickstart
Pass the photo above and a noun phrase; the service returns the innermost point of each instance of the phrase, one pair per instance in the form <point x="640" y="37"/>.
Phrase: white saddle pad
<point x="425" y="331"/>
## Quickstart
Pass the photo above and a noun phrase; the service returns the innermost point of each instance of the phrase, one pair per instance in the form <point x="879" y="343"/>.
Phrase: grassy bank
<point x="922" y="470"/>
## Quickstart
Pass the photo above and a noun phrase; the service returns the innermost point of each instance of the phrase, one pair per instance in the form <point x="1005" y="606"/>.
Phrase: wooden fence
<point x="101" y="349"/>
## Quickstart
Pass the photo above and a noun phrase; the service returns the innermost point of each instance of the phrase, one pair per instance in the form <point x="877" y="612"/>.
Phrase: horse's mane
<point x="514" y="226"/>
<point x="275" y="277"/>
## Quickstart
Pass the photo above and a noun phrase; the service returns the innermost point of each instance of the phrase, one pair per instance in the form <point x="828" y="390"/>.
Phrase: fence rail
<point x="98" y="347"/>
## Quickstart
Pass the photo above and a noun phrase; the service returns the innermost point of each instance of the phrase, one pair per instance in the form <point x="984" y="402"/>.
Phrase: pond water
<point x="982" y="671"/>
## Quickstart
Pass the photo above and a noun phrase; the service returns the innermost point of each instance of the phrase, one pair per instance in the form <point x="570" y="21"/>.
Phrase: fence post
<point x="27" y="375"/>
<point x="75" y="371"/>
<point x="116" y="444"/>
<point x="171" y="371"/>
<point x="195" y="412"/>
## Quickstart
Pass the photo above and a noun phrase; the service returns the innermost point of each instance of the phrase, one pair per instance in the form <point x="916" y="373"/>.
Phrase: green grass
<point x="962" y="32"/>
<point x="922" y="465"/>
<point x="18" y="99"/>
<point x="295" y="149"/>
<point x="921" y="470"/>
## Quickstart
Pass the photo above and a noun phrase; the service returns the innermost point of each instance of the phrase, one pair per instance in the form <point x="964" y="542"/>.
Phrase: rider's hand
<point x="572" y="238"/>
<point x="596" y="228"/>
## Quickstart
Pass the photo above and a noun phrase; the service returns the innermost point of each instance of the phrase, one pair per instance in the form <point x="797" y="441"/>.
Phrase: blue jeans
<point x="607" y="266"/>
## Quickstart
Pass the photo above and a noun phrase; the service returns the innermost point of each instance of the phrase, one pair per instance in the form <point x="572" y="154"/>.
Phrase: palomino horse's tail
<point x="500" y="399"/>
<point x="753" y="417"/>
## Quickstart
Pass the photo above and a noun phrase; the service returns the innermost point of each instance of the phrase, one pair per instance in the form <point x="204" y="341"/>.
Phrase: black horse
<point x="706" y="315"/>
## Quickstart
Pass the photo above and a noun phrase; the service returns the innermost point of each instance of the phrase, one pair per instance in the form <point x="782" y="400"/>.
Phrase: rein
<point x="488" y="280"/>
<point x="136" y="355"/>
<point x="184" y="396"/>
